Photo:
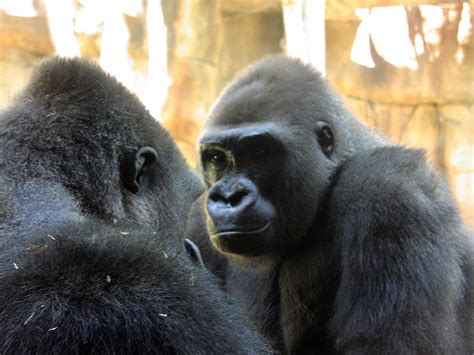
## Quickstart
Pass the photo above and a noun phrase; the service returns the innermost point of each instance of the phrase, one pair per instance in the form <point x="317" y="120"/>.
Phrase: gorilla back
<point x="355" y="244"/>
<point x="94" y="198"/>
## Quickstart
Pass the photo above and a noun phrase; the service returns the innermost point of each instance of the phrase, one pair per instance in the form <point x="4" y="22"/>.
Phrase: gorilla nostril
<point x="217" y="197"/>
<point x="237" y="197"/>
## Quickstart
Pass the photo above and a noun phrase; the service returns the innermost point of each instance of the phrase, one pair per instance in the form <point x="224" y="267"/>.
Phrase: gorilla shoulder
<point x="398" y="232"/>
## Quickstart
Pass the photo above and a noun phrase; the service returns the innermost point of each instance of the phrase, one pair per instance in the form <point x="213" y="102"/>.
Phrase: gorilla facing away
<point x="332" y="238"/>
<point x="94" y="198"/>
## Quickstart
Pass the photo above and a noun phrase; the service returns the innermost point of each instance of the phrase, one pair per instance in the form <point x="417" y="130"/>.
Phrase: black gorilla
<point x="94" y="198"/>
<point x="337" y="240"/>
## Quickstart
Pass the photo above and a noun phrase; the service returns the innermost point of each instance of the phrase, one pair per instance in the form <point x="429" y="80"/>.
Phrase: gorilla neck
<point x="38" y="203"/>
<point x="303" y="313"/>
<point x="282" y="297"/>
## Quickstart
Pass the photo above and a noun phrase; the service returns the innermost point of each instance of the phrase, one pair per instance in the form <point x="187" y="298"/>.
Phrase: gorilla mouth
<point x="258" y="230"/>
<point x="242" y="242"/>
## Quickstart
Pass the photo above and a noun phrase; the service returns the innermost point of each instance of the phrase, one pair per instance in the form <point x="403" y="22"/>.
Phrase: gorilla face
<point x="236" y="163"/>
<point x="252" y="208"/>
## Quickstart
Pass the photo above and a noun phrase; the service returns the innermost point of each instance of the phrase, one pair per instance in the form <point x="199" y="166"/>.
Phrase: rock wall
<point x="209" y="41"/>
<point x="429" y="108"/>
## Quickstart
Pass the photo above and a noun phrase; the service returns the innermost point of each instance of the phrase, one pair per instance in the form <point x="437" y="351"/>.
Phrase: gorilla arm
<point x="400" y="239"/>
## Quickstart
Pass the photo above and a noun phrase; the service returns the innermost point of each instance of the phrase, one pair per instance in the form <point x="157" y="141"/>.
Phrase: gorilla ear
<point x="325" y="137"/>
<point x="193" y="252"/>
<point x="134" y="167"/>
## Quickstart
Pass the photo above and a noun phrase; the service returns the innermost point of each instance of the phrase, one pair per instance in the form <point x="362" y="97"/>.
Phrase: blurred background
<point x="404" y="67"/>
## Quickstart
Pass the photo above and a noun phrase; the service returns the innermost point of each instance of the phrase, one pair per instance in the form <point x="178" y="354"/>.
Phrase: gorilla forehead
<point x="230" y="134"/>
<point x="275" y="89"/>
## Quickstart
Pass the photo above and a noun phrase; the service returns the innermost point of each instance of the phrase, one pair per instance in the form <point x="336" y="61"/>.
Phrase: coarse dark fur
<point x="94" y="198"/>
<point x="333" y="239"/>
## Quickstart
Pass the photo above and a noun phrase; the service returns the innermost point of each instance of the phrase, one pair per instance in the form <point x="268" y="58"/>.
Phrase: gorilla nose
<point x="232" y="199"/>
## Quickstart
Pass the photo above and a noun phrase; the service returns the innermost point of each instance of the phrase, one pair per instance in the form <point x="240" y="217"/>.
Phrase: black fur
<point x="337" y="241"/>
<point x="94" y="197"/>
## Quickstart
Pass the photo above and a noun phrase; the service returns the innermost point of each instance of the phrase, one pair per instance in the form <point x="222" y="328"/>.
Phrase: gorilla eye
<point x="262" y="152"/>
<point x="215" y="157"/>
<point x="325" y="137"/>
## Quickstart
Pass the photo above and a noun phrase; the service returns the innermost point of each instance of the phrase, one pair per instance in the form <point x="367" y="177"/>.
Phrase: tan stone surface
<point x="15" y="71"/>
<point x="335" y="9"/>
<point x="344" y="9"/>
<point x="246" y="6"/>
<point x="246" y="38"/>
<point x="27" y="34"/>
<point x="459" y="155"/>
<point x="23" y="43"/>
<point x="441" y="81"/>
<point x="193" y="70"/>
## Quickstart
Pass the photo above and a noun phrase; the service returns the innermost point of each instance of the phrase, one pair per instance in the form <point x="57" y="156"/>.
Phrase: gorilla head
<point x="269" y="147"/>
<point x="94" y="198"/>
<point x="76" y="127"/>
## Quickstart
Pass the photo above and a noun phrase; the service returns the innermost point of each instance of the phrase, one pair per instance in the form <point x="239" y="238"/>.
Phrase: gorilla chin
<point x="249" y="243"/>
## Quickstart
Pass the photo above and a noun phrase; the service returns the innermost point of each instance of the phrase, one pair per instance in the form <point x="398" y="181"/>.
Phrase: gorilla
<point x="331" y="238"/>
<point x="94" y="198"/>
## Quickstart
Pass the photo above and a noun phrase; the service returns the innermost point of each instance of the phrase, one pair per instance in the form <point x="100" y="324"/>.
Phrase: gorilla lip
<point x="238" y="242"/>
<point x="233" y="232"/>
